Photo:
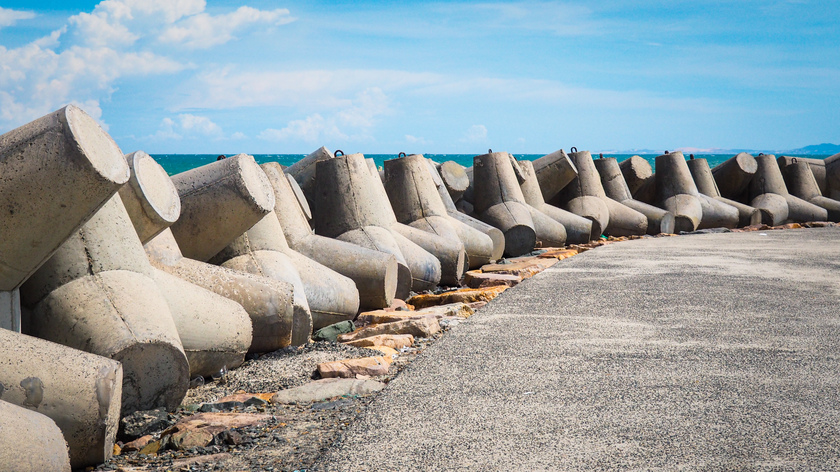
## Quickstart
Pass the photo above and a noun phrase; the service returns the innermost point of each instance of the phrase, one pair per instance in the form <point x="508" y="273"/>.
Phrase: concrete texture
<point x="79" y="391"/>
<point x="701" y="352"/>
<point x="705" y="182"/>
<point x="31" y="441"/>
<point x="499" y="202"/>
<point x="768" y="179"/>
<point x="96" y="294"/>
<point x="414" y="197"/>
<point x="553" y="171"/>
<point x="150" y="197"/>
<point x="269" y="302"/>
<point x="351" y="205"/>
<point x="801" y="182"/>
<point x="466" y="226"/>
<point x="612" y="179"/>
<point x="373" y="272"/>
<point x="56" y="172"/>
<point x="219" y="202"/>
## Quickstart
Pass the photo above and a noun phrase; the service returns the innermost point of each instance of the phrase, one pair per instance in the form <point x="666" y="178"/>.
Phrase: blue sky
<point x="189" y="76"/>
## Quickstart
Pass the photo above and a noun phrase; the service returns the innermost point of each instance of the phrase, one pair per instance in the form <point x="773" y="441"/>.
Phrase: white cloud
<point x="203" y="31"/>
<point x="166" y="130"/>
<point x="84" y="61"/>
<point x="415" y="140"/>
<point x="476" y="133"/>
<point x="9" y="17"/>
<point x="560" y="18"/>
<point x="36" y="80"/>
<point x="190" y="126"/>
<point x="199" y="125"/>
<point x="313" y="129"/>
<point x="313" y="89"/>
<point x="352" y="122"/>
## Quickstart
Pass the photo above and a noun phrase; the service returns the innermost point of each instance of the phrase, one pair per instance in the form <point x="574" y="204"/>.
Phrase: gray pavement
<point x="700" y="352"/>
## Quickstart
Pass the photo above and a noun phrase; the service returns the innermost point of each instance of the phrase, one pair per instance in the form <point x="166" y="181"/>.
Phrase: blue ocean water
<point x="177" y="163"/>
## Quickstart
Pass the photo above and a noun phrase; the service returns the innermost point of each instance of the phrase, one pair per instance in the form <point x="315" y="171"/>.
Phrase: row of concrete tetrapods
<point x="119" y="283"/>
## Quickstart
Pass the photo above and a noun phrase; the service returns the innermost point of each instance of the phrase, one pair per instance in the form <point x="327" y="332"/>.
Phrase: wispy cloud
<point x="314" y="89"/>
<point x="9" y="17"/>
<point x="83" y="61"/>
<point x="203" y="31"/>
<point x="190" y="126"/>
<point x="475" y="134"/>
<point x="415" y="140"/>
<point x="353" y="122"/>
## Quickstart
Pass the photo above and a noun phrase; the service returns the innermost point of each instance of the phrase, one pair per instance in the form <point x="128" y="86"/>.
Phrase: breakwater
<point x="147" y="282"/>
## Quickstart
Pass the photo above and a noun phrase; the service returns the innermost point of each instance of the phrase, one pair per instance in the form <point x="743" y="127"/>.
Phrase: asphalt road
<point x="700" y="352"/>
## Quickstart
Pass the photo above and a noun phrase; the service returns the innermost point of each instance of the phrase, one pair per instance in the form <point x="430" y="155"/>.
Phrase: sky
<point x="268" y="77"/>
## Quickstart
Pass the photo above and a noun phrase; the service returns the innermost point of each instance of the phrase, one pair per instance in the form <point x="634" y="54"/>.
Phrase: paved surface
<point x="701" y="352"/>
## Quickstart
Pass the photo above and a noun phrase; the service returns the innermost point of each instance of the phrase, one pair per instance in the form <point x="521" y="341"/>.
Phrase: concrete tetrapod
<point x="639" y="177"/>
<point x="468" y="198"/>
<point x="454" y="179"/>
<point x="416" y="202"/>
<point x="330" y="296"/>
<point x="677" y="193"/>
<point x="733" y="176"/>
<point x="219" y="202"/>
<point x="79" y="391"/>
<point x="615" y="187"/>
<point x="817" y="169"/>
<point x="553" y="171"/>
<point x="96" y="293"/>
<point x="475" y="245"/>
<point x="578" y="228"/>
<point x="449" y="252"/>
<point x="30" y="442"/>
<point x="305" y="174"/>
<point x="705" y="182"/>
<point x="585" y="196"/>
<point x="215" y="332"/>
<point x="373" y="272"/>
<point x="268" y="302"/>
<point x="768" y="185"/>
<point x="10" y="317"/>
<point x="348" y="206"/>
<point x="303" y="171"/>
<point x="59" y="158"/>
<point x="800" y="182"/>
<point x="550" y="233"/>
<point x="150" y="197"/>
<point x="832" y="176"/>
<point x="499" y="202"/>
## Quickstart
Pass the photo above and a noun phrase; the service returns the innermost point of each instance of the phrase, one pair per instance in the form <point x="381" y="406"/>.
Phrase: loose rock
<point x="421" y="328"/>
<point x="142" y="423"/>
<point x="478" y="279"/>
<point x="369" y="366"/>
<point x="467" y="295"/>
<point x="395" y="341"/>
<point x="327" y="388"/>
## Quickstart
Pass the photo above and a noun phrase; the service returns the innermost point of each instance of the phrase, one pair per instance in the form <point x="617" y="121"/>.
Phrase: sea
<point x="177" y="163"/>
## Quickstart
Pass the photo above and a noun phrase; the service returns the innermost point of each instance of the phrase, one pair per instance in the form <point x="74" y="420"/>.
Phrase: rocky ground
<point x="236" y="423"/>
<point x="287" y="437"/>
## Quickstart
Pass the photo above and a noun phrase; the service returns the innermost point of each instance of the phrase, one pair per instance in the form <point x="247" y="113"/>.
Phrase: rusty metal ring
<point x="335" y="154"/>
<point x="793" y="160"/>
<point x="572" y="149"/>
<point x="402" y="154"/>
